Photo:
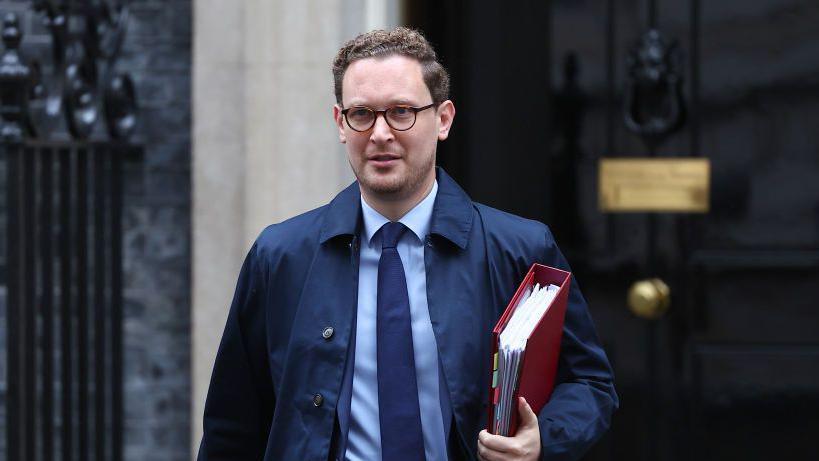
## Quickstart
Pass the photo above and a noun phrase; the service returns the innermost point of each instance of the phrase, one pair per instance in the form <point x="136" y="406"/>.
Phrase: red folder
<point x="539" y="362"/>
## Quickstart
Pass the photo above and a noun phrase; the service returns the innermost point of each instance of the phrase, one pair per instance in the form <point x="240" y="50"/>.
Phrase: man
<point x="361" y="330"/>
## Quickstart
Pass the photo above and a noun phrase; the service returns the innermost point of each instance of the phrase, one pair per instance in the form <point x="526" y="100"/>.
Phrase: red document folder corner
<point x="539" y="362"/>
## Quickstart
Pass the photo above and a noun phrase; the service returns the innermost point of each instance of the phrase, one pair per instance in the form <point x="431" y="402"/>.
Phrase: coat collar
<point x="451" y="214"/>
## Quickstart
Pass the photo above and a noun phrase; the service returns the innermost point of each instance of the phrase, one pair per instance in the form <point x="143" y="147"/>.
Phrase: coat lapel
<point x="458" y="294"/>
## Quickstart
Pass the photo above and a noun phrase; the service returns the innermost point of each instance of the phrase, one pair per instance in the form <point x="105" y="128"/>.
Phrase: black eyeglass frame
<point x="383" y="112"/>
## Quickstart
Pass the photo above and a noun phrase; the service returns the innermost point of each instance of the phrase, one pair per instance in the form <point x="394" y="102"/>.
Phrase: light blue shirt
<point x="364" y="437"/>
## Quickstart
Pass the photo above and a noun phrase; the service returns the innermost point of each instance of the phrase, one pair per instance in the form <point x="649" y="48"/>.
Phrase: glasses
<point x="399" y="118"/>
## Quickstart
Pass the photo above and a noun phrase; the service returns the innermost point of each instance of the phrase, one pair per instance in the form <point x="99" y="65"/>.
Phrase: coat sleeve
<point x="580" y="408"/>
<point x="240" y="401"/>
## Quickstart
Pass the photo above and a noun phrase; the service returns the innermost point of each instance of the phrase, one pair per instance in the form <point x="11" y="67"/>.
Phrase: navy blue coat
<point x="300" y="277"/>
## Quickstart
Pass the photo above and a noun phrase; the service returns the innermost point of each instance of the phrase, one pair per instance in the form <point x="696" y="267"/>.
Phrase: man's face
<point x="389" y="164"/>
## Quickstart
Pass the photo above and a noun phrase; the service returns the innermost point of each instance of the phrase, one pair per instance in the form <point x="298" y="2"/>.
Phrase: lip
<point x="383" y="160"/>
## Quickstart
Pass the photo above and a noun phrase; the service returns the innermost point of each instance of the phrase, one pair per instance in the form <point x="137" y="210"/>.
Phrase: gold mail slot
<point x="675" y="185"/>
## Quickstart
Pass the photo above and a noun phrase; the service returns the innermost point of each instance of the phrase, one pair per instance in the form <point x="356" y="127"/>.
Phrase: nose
<point x="381" y="130"/>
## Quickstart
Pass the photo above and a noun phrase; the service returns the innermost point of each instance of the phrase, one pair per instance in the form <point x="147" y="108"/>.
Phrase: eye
<point x="359" y="112"/>
<point x="401" y="112"/>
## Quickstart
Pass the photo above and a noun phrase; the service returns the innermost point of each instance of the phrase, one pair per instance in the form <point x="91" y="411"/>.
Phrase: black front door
<point x="731" y="371"/>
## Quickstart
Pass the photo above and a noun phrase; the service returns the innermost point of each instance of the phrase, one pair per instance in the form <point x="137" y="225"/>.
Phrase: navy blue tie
<point x="398" y="409"/>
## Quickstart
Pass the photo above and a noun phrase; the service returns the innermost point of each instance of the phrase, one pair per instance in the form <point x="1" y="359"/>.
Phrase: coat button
<point x="318" y="399"/>
<point x="328" y="333"/>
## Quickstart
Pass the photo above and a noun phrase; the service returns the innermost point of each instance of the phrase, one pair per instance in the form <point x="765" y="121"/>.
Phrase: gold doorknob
<point x="649" y="299"/>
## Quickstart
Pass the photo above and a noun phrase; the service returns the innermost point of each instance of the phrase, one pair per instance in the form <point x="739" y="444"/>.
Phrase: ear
<point x="446" y="114"/>
<point x="339" y="119"/>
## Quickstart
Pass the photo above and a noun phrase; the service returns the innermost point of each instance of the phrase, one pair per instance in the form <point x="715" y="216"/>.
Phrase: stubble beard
<point x="394" y="187"/>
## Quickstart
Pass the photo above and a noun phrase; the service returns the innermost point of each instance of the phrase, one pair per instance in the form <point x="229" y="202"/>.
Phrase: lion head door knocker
<point x="654" y="106"/>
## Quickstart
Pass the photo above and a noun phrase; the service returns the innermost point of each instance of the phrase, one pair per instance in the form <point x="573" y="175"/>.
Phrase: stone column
<point x="264" y="144"/>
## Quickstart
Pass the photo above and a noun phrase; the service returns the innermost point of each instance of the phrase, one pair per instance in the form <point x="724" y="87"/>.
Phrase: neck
<point x="395" y="208"/>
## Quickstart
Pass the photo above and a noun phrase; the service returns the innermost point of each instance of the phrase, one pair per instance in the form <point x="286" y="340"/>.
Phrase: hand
<point x="524" y="446"/>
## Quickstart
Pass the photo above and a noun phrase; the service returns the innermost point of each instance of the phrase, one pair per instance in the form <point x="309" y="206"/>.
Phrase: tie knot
<point x="391" y="233"/>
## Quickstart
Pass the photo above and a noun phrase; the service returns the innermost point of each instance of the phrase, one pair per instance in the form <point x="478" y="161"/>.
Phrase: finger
<point x="482" y="452"/>
<point x="487" y="454"/>
<point x="527" y="415"/>
<point x="494" y="442"/>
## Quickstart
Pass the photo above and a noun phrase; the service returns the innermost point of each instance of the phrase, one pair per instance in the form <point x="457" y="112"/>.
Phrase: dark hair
<point x="399" y="41"/>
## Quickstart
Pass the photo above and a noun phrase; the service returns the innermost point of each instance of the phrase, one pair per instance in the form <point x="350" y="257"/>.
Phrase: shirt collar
<point x="417" y="219"/>
<point x="452" y="213"/>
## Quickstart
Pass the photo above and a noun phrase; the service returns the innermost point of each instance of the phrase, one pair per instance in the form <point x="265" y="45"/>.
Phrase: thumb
<point x="527" y="415"/>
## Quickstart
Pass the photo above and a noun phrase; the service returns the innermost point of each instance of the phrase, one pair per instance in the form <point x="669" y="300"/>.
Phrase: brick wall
<point x="157" y="55"/>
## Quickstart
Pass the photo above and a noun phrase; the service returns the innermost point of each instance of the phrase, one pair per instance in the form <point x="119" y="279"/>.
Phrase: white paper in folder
<point x="512" y="344"/>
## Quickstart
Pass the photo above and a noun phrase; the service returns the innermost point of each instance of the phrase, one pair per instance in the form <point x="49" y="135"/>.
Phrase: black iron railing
<point x="64" y="313"/>
<point x="64" y="233"/>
